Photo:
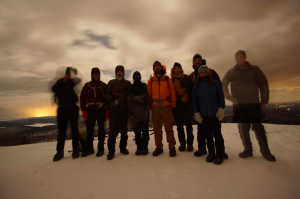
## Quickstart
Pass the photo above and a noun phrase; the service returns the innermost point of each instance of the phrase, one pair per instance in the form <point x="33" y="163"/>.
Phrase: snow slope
<point x="28" y="172"/>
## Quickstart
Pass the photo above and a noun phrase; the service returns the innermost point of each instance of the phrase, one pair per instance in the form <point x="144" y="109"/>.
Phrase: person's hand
<point x="262" y="105"/>
<point x="84" y="115"/>
<point x="198" y="117"/>
<point x="220" y="114"/>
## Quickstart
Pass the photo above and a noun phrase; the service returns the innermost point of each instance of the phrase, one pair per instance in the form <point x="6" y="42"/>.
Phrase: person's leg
<point x="90" y="130"/>
<point x="123" y="130"/>
<point x="189" y="127"/>
<point x="138" y="136"/>
<point x="62" y="123"/>
<point x="179" y="119"/>
<point x="261" y="137"/>
<point x="74" y="113"/>
<point x="145" y="135"/>
<point x="219" y="141"/>
<point x="207" y="129"/>
<point x="244" y="129"/>
<point x="157" y="127"/>
<point x="201" y="139"/>
<point x="113" y="133"/>
<point x="168" y="123"/>
<point x="101" y="132"/>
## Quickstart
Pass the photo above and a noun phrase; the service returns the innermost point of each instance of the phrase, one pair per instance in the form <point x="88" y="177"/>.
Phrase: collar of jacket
<point x="162" y="76"/>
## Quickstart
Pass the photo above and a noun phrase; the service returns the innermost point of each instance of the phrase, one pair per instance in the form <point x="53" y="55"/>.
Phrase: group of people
<point x="200" y="95"/>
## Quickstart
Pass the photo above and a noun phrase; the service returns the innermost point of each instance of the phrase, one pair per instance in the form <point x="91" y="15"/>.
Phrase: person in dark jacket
<point x="181" y="113"/>
<point x="197" y="62"/>
<point x="93" y="107"/>
<point x="248" y="83"/>
<point x="138" y="113"/>
<point x="116" y="95"/>
<point x="67" y="112"/>
<point x="208" y="107"/>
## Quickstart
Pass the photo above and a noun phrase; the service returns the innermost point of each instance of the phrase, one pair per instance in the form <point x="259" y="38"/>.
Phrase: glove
<point x="115" y="97"/>
<point x="220" y="114"/>
<point x="107" y="115"/>
<point x="84" y="115"/>
<point x="198" y="117"/>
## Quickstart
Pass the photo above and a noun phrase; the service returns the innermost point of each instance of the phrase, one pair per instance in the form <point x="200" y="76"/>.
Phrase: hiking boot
<point x="270" y="157"/>
<point x="182" y="148"/>
<point x="157" y="152"/>
<point x="218" y="160"/>
<point x="225" y="156"/>
<point x="100" y="153"/>
<point x="145" y="152"/>
<point x="87" y="153"/>
<point x="110" y="156"/>
<point x="245" y="154"/>
<point x="138" y="152"/>
<point x="59" y="155"/>
<point x="200" y="153"/>
<point x="210" y="158"/>
<point x="172" y="153"/>
<point x="75" y="153"/>
<point x="124" y="151"/>
<point x="190" y="148"/>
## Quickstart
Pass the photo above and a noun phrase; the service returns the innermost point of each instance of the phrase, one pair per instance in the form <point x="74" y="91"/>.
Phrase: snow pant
<point x="93" y="116"/>
<point x="248" y="115"/>
<point x="211" y="127"/>
<point x="162" y="115"/>
<point x="117" y="124"/>
<point x="141" y="131"/>
<point x="201" y="138"/>
<point x="183" y="117"/>
<point x="64" y="116"/>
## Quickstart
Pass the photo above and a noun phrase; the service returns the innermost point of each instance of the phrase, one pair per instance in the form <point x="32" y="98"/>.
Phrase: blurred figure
<point x="116" y="95"/>
<point x="67" y="112"/>
<point x="93" y="107"/>
<point x="248" y="83"/>
<point x="138" y="112"/>
<point x="162" y="99"/>
<point x="208" y="106"/>
<point x="181" y="112"/>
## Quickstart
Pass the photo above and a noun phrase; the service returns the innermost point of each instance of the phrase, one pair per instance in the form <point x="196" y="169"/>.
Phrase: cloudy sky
<point x="39" y="38"/>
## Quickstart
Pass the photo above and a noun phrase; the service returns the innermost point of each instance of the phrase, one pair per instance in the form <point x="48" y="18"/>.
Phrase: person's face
<point x="96" y="76"/>
<point x="177" y="70"/>
<point x="203" y="74"/>
<point x="120" y="73"/>
<point x="157" y="68"/>
<point x="197" y="62"/>
<point x="240" y="60"/>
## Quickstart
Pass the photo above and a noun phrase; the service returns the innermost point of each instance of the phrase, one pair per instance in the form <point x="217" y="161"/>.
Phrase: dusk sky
<point x="39" y="38"/>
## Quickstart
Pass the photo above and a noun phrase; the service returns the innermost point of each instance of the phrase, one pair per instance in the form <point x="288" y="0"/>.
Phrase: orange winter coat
<point x="180" y="86"/>
<point x="161" y="91"/>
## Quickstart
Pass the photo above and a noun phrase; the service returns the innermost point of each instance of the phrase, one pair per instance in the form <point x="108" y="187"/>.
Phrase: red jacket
<point x="93" y="96"/>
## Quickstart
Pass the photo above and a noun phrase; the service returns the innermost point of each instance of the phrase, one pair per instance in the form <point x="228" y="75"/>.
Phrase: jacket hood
<point x="95" y="70"/>
<point x="119" y="67"/>
<point x="164" y="69"/>
<point x="172" y="74"/>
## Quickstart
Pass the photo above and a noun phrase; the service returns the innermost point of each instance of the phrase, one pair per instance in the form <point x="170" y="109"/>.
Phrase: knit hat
<point x="177" y="64"/>
<point x="202" y="69"/>
<point x="197" y="56"/>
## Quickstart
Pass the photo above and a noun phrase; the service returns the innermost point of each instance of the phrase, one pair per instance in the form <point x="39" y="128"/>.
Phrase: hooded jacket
<point x="119" y="89"/>
<point x="161" y="91"/>
<point x="180" y="85"/>
<point x="246" y="85"/>
<point x="92" y="95"/>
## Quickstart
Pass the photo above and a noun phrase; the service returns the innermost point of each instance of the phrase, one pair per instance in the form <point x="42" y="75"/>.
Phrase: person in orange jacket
<point x="162" y="99"/>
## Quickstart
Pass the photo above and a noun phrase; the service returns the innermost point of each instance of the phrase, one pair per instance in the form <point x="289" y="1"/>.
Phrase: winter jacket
<point x="119" y="89"/>
<point x="138" y="103"/>
<point x="92" y="95"/>
<point x="65" y="93"/>
<point x="208" y="98"/>
<point x="161" y="91"/>
<point x="246" y="85"/>
<point x="180" y="85"/>
<point x="190" y="84"/>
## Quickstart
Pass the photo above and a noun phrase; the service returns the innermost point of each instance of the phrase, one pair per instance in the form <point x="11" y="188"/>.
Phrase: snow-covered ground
<point x="28" y="172"/>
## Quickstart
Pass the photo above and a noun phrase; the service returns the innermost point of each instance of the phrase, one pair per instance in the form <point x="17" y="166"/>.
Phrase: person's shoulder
<point x="103" y="83"/>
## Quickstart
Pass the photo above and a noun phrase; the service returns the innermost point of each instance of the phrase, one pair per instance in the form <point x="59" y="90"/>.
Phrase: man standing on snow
<point x="67" y="112"/>
<point x="162" y="99"/>
<point x="138" y="112"/>
<point x="93" y="107"/>
<point x="116" y="95"/>
<point x="246" y="82"/>
<point x="181" y="113"/>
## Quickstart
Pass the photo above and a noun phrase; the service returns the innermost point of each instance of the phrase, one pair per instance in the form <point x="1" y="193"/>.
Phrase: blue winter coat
<point x="207" y="99"/>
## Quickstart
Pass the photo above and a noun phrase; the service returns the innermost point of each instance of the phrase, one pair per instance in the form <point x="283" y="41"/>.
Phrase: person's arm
<point x="195" y="102"/>
<point x="83" y="96"/>
<point x="189" y="91"/>
<point x="221" y="98"/>
<point x="173" y="92"/>
<point x="225" y="83"/>
<point x="108" y="92"/>
<point x="263" y="86"/>
<point x="59" y="87"/>
<point x="149" y="91"/>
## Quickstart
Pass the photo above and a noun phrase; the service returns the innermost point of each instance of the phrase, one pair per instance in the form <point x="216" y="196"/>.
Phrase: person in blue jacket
<point x="208" y="107"/>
